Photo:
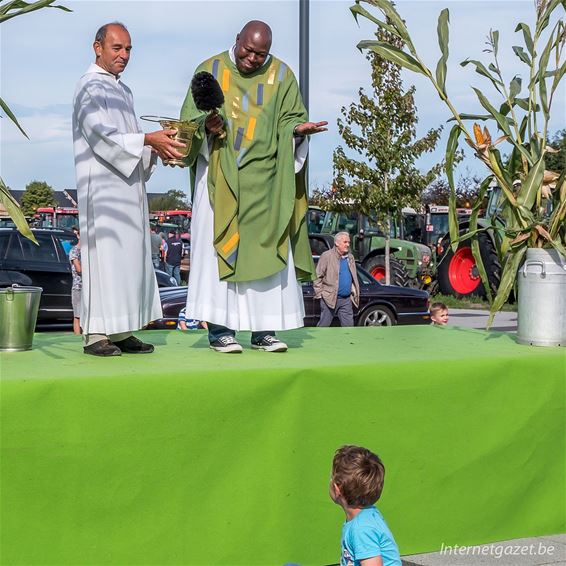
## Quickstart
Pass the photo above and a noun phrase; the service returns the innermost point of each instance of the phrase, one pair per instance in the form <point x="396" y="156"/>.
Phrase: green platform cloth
<point x="187" y="456"/>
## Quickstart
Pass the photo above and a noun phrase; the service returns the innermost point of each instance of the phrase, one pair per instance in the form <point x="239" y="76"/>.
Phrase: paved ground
<point x="538" y="551"/>
<point x="503" y="322"/>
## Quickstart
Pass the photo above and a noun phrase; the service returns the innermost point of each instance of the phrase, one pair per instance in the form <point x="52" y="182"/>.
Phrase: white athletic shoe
<point x="227" y="345"/>
<point x="270" y="344"/>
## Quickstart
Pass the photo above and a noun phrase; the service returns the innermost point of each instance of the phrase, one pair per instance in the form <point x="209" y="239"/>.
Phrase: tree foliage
<point x="37" y="194"/>
<point x="380" y="129"/>
<point x="467" y="190"/>
<point x="556" y="161"/>
<point x="171" y="200"/>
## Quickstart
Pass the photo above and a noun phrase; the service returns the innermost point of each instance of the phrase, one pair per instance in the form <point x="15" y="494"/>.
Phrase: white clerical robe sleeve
<point x="301" y="150"/>
<point x="149" y="162"/>
<point x="121" y="150"/>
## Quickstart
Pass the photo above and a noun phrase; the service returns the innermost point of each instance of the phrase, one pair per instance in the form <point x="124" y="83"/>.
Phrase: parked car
<point x="46" y="266"/>
<point x="380" y="305"/>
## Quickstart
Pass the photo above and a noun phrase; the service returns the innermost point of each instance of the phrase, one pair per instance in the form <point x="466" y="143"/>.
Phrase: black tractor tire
<point x="458" y="274"/>
<point x="377" y="315"/>
<point x="375" y="265"/>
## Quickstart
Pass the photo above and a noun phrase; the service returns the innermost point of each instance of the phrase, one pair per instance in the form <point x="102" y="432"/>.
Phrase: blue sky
<point x="44" y="53"/>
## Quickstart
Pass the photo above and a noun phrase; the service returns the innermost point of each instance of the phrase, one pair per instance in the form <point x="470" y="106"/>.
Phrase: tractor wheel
<point x="376" y="267"/>
<point x="458" y="274"/>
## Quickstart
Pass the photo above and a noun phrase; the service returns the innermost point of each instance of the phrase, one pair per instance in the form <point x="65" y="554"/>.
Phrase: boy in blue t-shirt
<point x="355" y="485"/>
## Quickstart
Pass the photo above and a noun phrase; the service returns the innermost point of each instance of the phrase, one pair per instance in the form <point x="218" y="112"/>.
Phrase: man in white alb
<point x="113" y="160"/>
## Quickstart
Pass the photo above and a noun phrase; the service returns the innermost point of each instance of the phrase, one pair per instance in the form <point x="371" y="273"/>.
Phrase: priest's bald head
<point x="112" y="46"/>
<point x="252" y="46"/>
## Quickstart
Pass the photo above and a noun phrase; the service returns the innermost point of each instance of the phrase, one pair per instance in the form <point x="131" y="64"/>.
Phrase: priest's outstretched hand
<point x="309" y="128"/>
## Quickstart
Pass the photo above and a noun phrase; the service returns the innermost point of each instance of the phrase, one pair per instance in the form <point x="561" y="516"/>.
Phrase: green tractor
<point x="409" y="261"/>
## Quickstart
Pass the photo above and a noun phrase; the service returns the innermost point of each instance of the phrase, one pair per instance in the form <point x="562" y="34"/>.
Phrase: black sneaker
<point x="132" y="345"/>
<point x="227" y="345"/>
<point x="103" y="348"/>
<point x="270" y="344"/>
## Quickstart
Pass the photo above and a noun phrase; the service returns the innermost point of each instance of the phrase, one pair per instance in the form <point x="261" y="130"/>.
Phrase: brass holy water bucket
<point x="185" y="132"/>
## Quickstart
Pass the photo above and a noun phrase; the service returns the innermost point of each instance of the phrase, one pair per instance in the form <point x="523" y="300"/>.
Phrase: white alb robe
<point x="272" y="303"/>
<point x="119" y="286"/>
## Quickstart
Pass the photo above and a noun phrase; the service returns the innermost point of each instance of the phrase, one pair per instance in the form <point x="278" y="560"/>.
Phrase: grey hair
<point x="101" y="33"/>
<point x="341" y="234"/>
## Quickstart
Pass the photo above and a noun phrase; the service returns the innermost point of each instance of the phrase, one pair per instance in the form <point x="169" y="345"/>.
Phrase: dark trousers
<point x="216" y="331"/>
<point x="343" y="310"/>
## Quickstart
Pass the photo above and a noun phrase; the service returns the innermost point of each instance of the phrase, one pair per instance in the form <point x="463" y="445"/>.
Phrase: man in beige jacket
<point x="337" y="284"/>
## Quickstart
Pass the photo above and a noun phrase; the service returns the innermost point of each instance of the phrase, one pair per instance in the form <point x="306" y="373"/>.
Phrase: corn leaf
<point x="520" y="52"/>
<point x="357" y="10"/>
<point x="527" y="37"/>
<point x="480" y="69"/>
<point x="7" y="11"/>
<point x="393" y="54"/>
<point x="442" y="32"/>
<point x="511" y="265"/>
<point x="545" y="17"/>
<point x="451" y="151"/>
<point x="15" y="212"/>
<point x="389" y="11"/>
<point x="474" y="229"/>
<point x="531" y="185"/>
<point x="503" y="124"/>
<point x="515" y="87"/>
<point x="10" y="115"/>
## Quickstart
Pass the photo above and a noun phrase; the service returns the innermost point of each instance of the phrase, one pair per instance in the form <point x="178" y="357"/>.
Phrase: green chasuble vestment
<point x="259" y="202"/>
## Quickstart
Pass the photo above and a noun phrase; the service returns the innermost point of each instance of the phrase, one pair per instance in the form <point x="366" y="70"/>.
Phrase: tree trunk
<point x="387" y="249"/>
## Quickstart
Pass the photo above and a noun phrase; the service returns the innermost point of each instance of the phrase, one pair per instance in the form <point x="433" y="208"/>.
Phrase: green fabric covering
<point x="259" y="203"/>
<point x="186" y="456"/>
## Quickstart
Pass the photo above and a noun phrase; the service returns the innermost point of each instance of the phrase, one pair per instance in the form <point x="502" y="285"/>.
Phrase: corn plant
<point x="8" y="10"/>
<point x="522" y="120"/>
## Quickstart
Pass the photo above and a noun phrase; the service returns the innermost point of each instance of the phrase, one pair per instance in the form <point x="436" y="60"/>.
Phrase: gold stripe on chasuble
<point x="226" y="80"/>
<point x="271" y="78"/>
<point x="236" y="107"/>
<point x="231" y="243"/>
<point x="251" y="128"/>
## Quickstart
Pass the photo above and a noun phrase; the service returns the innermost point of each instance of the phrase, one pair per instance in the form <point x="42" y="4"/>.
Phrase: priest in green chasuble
<point x="249" y="239"/>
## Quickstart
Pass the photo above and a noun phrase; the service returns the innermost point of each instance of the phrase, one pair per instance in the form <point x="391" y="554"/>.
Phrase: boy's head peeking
<point x="357" y="477"/>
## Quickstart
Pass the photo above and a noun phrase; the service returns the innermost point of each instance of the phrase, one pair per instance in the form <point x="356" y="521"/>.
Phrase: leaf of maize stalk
<point x="393" y="54"/>
<point x="480" y="69"/>
<point x="520" y="52"/>
<point x="481" y="268"/>
<point x="15" y="212"/>
<point x="515" y="87"/>
<point x="12" y="117"/>
<point x="503" y="124"/>
<point x="443" y="35"/>
<point x="357" y="10"/>
<point x="544" y="19"/>
<point x="389" y="11"/>
<point x="508" y="276"/>
<point x="531" y="185"/>
<point x="451" y="150"/>
<point x="25" y="7"/>
<point x="494" y="36"/>
<point x="527" y="37"/>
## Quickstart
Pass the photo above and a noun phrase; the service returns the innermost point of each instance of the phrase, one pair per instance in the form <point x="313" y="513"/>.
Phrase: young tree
<point x="171" y="200"/>
<point x="37" y="194"/>
<point x="381" y="130"/>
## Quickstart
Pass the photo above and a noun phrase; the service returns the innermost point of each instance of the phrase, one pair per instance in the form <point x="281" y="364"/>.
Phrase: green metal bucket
<point x="18" y="315"/>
